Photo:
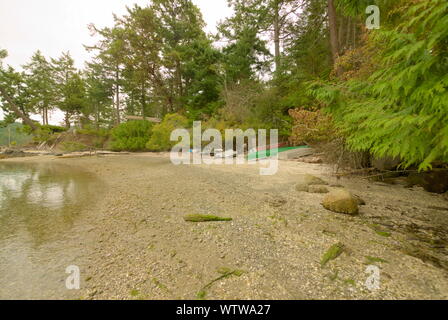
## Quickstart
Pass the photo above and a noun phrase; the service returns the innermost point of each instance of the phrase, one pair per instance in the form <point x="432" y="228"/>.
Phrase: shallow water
<point x="39" y="207"/>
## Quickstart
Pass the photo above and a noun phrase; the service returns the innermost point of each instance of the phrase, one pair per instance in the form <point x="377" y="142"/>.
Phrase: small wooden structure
<point x="150" y="119"/>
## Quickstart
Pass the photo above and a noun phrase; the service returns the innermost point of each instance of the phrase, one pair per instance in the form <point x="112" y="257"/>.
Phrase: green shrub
<point x="131" y="136"/>
<point x="161" y="133"/>
<point x="52" y="129"/>
<point x="91" y="131"/>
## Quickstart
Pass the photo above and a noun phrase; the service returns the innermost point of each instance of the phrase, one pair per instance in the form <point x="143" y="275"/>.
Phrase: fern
<point x="402" y="108"/>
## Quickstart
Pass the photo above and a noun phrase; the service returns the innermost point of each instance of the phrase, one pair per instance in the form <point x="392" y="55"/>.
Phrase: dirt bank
<point x="138" y="246"/>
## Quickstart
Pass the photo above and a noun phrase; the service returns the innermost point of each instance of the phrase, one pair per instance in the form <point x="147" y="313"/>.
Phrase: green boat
<point x="272" y="152"/>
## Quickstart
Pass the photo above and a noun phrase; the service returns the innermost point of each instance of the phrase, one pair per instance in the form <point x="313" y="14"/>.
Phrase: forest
<point x="312" y="69"/>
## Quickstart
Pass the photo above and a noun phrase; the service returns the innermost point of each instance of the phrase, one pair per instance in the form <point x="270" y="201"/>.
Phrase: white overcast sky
<point x="56" y="26"/>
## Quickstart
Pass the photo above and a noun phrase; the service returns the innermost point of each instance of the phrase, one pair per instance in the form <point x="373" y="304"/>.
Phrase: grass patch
<point x="379" y="231"/>
<point x="350" y="282"/>
<point x="329" y="233"/>
<point x="383" y="233"/>
<point x="204" y="218"/>
<point x="159" y="284"/>
<point x="280" y="219"/>
<point x="134" y="293"/>
<point x="201" y="294"/>
<point x="332" y="253"/>
<point x="225" y="273"/>
<point x="372" y="260"/>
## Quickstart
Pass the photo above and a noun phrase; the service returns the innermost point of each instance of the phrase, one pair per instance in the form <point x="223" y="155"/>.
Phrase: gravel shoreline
<point x="136" y="245"/>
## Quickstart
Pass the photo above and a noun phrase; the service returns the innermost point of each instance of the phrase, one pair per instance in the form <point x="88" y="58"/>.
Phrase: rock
<point x="10" y="153"/>
<point x="308" y="180"/>
<point x="312" y="180"/>
<point x="317" y="189"/>
<point x="276" y="202"/>
<point x="435" y="181"/>
<point x="295" y="153"/>
<point x="386" y="163"/>
<point x="341" y="201"/>
<point x="311" y="160"/>
<point x="302" y="187"/>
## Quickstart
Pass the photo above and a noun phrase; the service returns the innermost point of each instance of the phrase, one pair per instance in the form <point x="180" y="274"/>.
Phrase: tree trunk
<point x="143" y="101"/>
<point x="67" y="120"/>
<point x="179" y="78"/>
<point x="17" y="111"/>
<point x="333" y="30"/>
<point x="117" y="92"/>
<point x="97" y="117"/>
<point x="347" y="37"/>
<point x="341" y="28"/>
<point x="277" y="34"/>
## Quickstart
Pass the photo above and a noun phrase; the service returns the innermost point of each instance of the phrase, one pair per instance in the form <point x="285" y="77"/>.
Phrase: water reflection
<point x="39" y="204"/>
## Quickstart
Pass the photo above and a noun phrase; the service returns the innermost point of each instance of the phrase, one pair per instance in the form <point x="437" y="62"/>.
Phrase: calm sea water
<point x="39" y="207"/>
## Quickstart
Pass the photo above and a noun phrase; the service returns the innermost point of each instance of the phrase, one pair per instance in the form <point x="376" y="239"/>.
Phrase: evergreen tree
<point x="63" y="73"/>
<point x="40" y="85"/>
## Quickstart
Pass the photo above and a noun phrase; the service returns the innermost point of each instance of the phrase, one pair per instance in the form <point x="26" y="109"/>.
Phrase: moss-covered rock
<point x="332" y="253"/>
<point x="341" y="201"/>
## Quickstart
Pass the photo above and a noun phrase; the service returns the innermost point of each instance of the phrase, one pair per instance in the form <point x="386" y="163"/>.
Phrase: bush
<point x="91" y="131"/>
<point x="131" y="136"/>
<point x="53" y="129"/>
<point x="161" y="133"/>
<point x="311" y="127"/>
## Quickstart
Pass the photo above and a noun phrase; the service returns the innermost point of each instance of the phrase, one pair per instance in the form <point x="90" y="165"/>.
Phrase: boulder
<point x="341" y="201"/>
<point x="435" y="181"/>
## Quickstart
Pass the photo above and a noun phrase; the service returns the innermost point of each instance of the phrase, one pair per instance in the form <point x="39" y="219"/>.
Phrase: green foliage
<point x="161" y="133"/>
<point x="14" y="133"/>
<point x="45" y="133"/>
<point x="41" y="86"/>
<point x="131" y="136"/>
<point x="401" y="110"/>
<point x="52" y="129"/>
<point x="92" y="131"/>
